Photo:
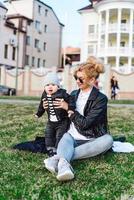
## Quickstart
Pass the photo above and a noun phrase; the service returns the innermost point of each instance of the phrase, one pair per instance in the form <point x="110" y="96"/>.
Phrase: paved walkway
<point x="19" y="101"/>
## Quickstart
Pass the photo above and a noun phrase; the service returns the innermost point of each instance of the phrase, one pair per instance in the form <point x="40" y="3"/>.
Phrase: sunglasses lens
<point x="77" y="78"/>
<point x="81" y="81"/>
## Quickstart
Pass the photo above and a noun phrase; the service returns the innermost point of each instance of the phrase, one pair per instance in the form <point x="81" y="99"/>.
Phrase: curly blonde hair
<point x="92" y="67"/>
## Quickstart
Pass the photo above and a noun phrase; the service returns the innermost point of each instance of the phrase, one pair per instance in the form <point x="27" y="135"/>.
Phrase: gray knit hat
<point x="52" y="78"/>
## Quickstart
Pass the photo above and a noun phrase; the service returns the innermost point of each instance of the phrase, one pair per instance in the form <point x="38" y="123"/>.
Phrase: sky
<point x="66" y="11"/>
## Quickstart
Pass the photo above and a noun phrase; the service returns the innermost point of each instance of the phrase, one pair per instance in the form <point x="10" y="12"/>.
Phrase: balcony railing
<point x="113" y="28"/>
<point x="124" y="69"/>
<point x="92" y="36"/>
<point x="114" y="51"/>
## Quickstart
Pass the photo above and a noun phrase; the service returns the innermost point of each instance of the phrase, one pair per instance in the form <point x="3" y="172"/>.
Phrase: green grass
<point x="23" y="176"/>
<point x="127" y="101"/>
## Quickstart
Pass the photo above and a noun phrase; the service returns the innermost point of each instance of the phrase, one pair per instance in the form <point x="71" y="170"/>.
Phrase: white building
<point x="108" y="32"/>
<point x="40" y="43"/>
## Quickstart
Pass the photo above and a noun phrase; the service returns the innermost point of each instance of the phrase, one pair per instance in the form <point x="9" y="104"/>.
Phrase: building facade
<point x="8" y="43"/>
<point x="38" y="35"/>
<point x="108" y="33"/>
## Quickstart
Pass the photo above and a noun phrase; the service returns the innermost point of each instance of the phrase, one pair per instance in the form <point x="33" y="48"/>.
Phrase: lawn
<point x="23" y="176"/>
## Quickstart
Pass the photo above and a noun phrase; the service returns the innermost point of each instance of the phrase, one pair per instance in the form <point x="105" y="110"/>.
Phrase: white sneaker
<point x="52" y="163"/>
<point x="65" y="171"/>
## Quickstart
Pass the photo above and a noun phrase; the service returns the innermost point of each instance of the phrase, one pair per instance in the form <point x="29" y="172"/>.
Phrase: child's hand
<point x="36" y="116"/>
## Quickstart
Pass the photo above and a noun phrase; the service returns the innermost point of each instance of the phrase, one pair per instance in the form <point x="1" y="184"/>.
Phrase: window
<point x="27" y="40"/>
<point x="6" y="51"/>
<point x="132" y="44"/>
<point x="36" y="43"/>
<point x="45" y="28"/>
<point x="38" y="63"/>
<point x="13" y="53"/>
<point x="37" y="25"/>
<point x="45" y="44"/>
<point x="46" y="12"/>
<point x="122" y="44"/>
<point x="29" y="23"/>
<point x="91" y="29"/>
<point x="33" y="61"/>
<point x="123" y="21"/>
<point x="39" y="9"/>
<point x="14" y="31"/>
<point x="90" y="49"/>
<point x="44" y="63"/>
<point x="27" y="60"/>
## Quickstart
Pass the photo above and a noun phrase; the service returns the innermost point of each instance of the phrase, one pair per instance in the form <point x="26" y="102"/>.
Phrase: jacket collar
<point x="93" y="94"/>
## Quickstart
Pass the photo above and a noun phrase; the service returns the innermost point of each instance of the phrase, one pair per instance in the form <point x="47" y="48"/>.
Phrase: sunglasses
<point x="77" y="78"/>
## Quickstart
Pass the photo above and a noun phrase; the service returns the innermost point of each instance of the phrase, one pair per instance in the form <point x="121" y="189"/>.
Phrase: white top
<point x="80" y="104"/>
<point x="52" y="113"/>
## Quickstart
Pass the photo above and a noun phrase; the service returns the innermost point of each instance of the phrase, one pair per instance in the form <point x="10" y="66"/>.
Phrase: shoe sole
<point x="65" y="177"/>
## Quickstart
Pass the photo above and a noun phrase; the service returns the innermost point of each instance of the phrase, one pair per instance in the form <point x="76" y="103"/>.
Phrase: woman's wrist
<point x="70" y="112"/>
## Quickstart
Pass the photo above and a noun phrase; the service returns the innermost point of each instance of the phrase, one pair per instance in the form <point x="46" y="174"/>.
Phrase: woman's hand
<point x="60" y="103"/>
<point x="45" y="104"/>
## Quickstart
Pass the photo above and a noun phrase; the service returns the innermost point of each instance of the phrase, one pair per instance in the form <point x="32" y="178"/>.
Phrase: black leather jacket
<point x="60" y="113"/>
<point x="94" y="122"/>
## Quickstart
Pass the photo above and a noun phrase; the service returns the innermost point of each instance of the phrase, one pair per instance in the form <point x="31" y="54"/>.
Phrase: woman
<point x="114" y="87"/>
<point x="88" y="135"/>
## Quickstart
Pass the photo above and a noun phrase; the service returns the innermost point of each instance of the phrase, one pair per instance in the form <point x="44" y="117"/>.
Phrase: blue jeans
<point x="71" y="149"/>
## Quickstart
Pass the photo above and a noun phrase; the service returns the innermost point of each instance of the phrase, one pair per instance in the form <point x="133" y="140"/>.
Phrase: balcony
<point x="114" y="51"/>
<point x="92" y="37"/>
<point x="125" y="28"/>
<point x="125" y="69"/>
<point x="113" y="28"/>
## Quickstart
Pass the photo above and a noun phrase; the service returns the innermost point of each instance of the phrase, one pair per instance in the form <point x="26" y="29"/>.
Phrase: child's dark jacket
<point x="60" y="113"/>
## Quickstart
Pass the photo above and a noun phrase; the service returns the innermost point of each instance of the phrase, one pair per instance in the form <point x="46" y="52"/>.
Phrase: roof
<point x="40" y="1"/>
<point x="13" y="16"/>
<point x="71" y="50"/>
<point x="2" y="6"/>
<point x="52" y="11"/>
<point x="90" y="6"/>
<point x="86" y="8"/>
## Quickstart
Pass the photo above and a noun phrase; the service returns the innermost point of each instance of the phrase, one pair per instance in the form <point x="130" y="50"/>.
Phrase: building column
<point x="117" y="62"/>
<point x="26" y="82"/>
<point x="99" y="33"/>
<point x="118" y="37"/>
<point x="130" y="39"/>
<point x="106" y="32"/>
<point x="131" y="28"/>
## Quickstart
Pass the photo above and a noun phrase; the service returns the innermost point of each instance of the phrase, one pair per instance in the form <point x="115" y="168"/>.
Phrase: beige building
<point x="108" y="32"/>
<point x="32" y="30"/>
<point x="9" y="43"/>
